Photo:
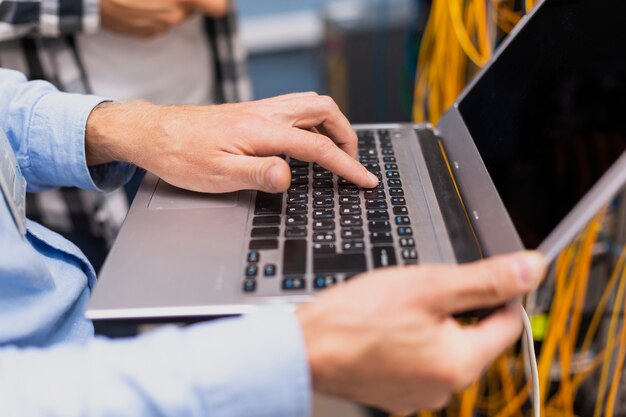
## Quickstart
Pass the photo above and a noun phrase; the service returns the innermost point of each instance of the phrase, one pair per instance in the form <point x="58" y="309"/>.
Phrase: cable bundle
<point x="458" y="40"/>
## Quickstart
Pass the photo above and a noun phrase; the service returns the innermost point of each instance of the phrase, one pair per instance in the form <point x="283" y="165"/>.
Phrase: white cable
<point x="532" y="359"/>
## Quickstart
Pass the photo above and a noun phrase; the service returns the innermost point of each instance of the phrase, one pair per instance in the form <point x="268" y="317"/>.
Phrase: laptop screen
<point x="549" y="116"/>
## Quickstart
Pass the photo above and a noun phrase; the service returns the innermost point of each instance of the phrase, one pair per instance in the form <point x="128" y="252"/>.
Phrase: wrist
<point x="114" y="131"/>
<point x="323" y="348"/>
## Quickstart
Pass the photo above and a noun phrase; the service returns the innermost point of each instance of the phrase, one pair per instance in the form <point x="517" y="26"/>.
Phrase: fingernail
<point x="373" y="178"/>
<point x="530" y="268"/>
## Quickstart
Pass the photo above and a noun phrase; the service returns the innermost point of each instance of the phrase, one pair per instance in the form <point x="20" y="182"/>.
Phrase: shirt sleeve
<point x="48" y="18"/>
<point x="242" y="367"/>
<point x="46" y="129"/>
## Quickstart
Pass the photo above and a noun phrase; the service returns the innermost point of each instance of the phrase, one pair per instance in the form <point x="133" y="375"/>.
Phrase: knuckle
<point x="328" y="103"/>
<point x="492" y="282"/>
<point x="324" y="145"/>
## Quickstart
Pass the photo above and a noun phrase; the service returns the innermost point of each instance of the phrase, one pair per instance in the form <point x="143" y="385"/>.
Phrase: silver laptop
<point x="531" y="150"/>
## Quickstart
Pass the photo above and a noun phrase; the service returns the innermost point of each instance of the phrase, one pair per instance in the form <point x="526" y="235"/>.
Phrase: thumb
<point x="491" y="282"/>
<point x="269" y="174"/>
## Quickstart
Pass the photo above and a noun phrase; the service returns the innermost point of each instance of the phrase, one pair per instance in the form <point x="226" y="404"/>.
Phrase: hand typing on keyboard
<point x="227" y="147"/>
<point x="389" y="338"/>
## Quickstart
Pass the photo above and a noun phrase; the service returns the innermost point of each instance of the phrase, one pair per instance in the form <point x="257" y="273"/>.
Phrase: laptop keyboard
<point x="329" y="226"/>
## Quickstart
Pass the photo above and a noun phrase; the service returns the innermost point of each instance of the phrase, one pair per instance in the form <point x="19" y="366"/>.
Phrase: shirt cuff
<point x="64" y="153"/>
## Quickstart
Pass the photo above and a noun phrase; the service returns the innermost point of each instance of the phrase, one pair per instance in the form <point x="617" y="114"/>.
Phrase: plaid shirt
<point x="37" y="38"/>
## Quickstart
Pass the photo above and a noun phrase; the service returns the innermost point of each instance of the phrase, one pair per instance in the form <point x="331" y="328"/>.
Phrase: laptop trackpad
<point x="168" y="197"/>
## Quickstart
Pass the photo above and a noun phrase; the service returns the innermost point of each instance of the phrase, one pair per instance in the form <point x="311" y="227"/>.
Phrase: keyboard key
<point x="409" y="254"/>
<point x="295" y="163"/>
<point x="376" y="204"/>
<point x="380" y="237"/>
<point x="379" y="226"/>
<point x="374" y="195"/>
<point x="405" y="231"/>
<point x="339" y="263"/>
<point x="318" y="167"/>
<point x="372" y="167"/>
<point x="325" y="213"/>
<point x="299" y="171"/>
<point x="396" y="191"/>
<point x="392" y="174"/>
<point x="403" y="220"/>
<point x="400" y="210"/>
<point x="269" y="270"/>
<point x="324" y="281"/>
<point x="387" y="151"/>
<point x="249" y="285"/>
<point x="292" y="232"/>
<point x="383" y="256"/>
<point x="297" y="199"/>
<point x="389" y="159"/>
<point x="322" y="184"/>
<point x="348" y="190"/>
<point x="266" y="221"/>
<point x="296" y="220"/>
<point x="266" y="203"/>
<point x="323" y="202"/>
<point x="324" y="248"/>
<point x="298" y="189"/>
<point x="377" y="215"/>
<point x="254" y="257"/>
<point x="294" y="257"/>
<point x="349" y="210"/>
<point x="394" y="183"/>
<point x="324" y="225"/>
<point x="263" y="244"/>
<point x="291" y="284"/>
<point x="349" y="199"/>
<point x="367" y="152"/>
<point x="322" y="193"/>
<point x="322" y="175"/>
<point x="350" y="221"/>
<point x="407" y="242"/>
<point x="391" y="167"/>
<point x="352" y="233"/>
<point x="265" y="231"/>
<point x="398" y="201"/>
<point x="299" y="180"/>
<point x="324" y="237"/>
<point x="251" y="271"/>
<point x="353" y="246"/>
<point x="296" y="209"/>
<point x="343" y="181"/>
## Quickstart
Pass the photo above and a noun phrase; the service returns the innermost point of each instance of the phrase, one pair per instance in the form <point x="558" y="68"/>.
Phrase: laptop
<point x="529" y="152"/>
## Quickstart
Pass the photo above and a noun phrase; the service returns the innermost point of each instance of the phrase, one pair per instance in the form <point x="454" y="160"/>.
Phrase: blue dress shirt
<point x="50" y="363"/>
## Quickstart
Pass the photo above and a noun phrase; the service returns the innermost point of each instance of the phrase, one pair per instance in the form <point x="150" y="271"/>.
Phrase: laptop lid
<point x="544" y="125"/>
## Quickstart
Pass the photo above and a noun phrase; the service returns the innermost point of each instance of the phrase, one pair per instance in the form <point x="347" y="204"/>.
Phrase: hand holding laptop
<point x="227" y="147"/>
<point x="390" y="340"/>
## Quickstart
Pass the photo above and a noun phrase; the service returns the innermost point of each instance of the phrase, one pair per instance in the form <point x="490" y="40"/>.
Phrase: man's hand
<point x="143" y="18"/>
<point x="227" y="147"/>
<point x="389" y="339"/>
<point x="213" y="8"/>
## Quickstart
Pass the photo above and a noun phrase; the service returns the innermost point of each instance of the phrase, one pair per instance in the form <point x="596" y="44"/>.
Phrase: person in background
<point x="165" y="51"/>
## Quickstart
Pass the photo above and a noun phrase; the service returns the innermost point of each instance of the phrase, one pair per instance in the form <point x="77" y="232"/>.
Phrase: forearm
<point x="239" y="367"/>
<point x="48" y="18"/>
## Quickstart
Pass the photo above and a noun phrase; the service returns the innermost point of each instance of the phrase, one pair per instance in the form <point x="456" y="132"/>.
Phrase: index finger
<point x="322" y="113"/>
<point x="313" y="147"/>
